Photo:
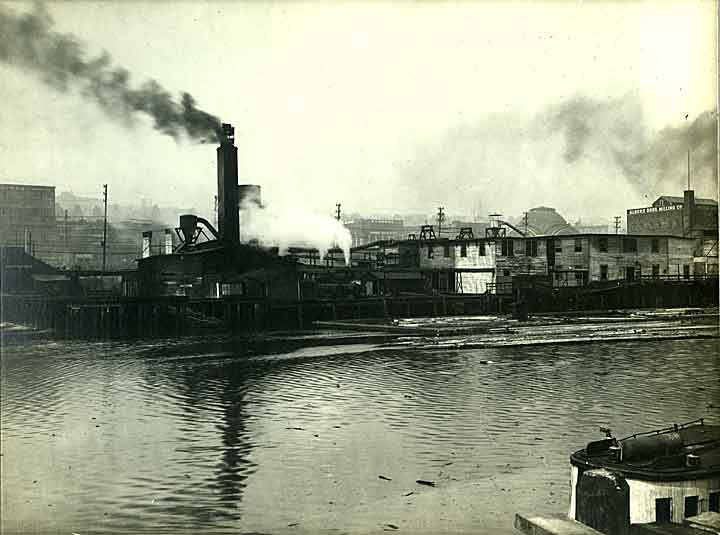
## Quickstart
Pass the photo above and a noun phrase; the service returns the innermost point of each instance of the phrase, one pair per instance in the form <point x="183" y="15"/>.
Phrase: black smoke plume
<point x="29" y="42"/>
<point x="614" y="131"/>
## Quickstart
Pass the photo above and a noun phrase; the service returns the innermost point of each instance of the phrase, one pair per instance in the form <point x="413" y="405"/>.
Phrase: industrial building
<point x="210" y="262"/>
<point x="199" y="260"/>
<point x="364" y="231"/>
<point x="27" y="218"/>
<point x="79" y="243"/>
<point x="472" y="265"/>
<point x="676" y="216"/>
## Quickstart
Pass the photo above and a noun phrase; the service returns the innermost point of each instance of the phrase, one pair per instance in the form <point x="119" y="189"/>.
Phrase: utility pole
<point x="440" y="219"/>
<point x="215" y="212"/>
<point x="337" y="211"/>
<point x="617" y="224"/>
<point x="66" y="260"/>
<point x="525" y="221"/>
<point x="688" y="173"/>
<point x="104" y="240"/>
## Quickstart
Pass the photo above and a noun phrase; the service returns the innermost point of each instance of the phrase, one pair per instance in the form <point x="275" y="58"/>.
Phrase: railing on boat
<point x="674" y="427"/>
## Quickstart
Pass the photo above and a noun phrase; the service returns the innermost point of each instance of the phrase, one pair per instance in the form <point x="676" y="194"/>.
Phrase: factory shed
<point x="215" y="269"/>
<point x="22" y="273"/>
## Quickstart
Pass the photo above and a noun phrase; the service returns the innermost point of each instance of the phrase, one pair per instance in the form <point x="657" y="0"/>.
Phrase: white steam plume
<point x="292" y="225"/>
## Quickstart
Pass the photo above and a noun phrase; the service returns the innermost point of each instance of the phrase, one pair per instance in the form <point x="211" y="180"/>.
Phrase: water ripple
<point x="218" y="434"/>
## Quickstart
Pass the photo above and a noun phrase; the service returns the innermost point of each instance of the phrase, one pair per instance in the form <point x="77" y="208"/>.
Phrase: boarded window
<point x="603" y="272"/>
<point x="463" y="250"/>
<point x="629" y="245"/>
<point x="714" y="502"/>
<point x="578" y="245"/>
<point x="654" y="245"/>
<point x="507" y="248"/>
<point x="663" y="509"/>
<point x="691" y="506"/>
<point x="531" y="248"/>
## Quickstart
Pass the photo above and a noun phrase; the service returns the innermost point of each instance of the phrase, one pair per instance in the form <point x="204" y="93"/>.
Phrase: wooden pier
<point x="111" y="317"/>
<point x="137" y="317"/>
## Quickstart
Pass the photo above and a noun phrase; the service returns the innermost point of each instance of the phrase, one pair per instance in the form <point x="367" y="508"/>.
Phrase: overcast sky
<point x="383" y="107"/>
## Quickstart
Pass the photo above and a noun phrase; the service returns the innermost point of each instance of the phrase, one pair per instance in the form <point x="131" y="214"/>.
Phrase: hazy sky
<point x="387" y="106"/>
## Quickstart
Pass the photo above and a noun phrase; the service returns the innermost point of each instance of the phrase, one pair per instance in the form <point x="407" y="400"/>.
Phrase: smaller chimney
<point x="688" y="212"/>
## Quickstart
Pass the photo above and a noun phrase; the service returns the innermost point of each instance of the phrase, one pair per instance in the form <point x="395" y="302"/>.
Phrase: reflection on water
<point x="219" y="434"/>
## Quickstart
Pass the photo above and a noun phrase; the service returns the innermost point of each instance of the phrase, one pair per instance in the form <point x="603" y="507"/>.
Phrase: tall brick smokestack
<point x="227" y="175"/>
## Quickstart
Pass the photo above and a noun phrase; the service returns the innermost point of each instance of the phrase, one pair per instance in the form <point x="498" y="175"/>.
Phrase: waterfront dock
<point x="704" y="524"/>
<point x="552" y="525"/>
<point x="449" y="322"/>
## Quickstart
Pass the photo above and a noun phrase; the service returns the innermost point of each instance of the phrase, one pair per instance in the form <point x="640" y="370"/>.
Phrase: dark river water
<point x="215" y="435"/>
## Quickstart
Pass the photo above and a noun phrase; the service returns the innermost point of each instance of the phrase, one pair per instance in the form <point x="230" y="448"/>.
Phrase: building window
<point x="714" y="502"/>
<point x="629" y="245"/>
<point x="630" y="273"/>
<point x="686" y="271"/>
<point x="654" y="245"/>
<point x="558" y="246"/>
<point x="603" y="272"/>
<point x="507" y="248"/>
<point x="481" y="248"/>
<point x="578" y="245"/>
<point x="531" y="248"/>
<point x="446" y="251"/>
<point x="506" y="272"/>
<point x="578" y="273"/>
<point x="691" y="506"/>
<point x="663" y="510"/>
<point x="463" y="250"/>
<point x="656" y="270"/>
<point x="430" y="251"/>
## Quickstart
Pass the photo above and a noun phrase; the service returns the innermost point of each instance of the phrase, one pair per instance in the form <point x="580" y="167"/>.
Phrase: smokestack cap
<point x="228" y="133"/>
